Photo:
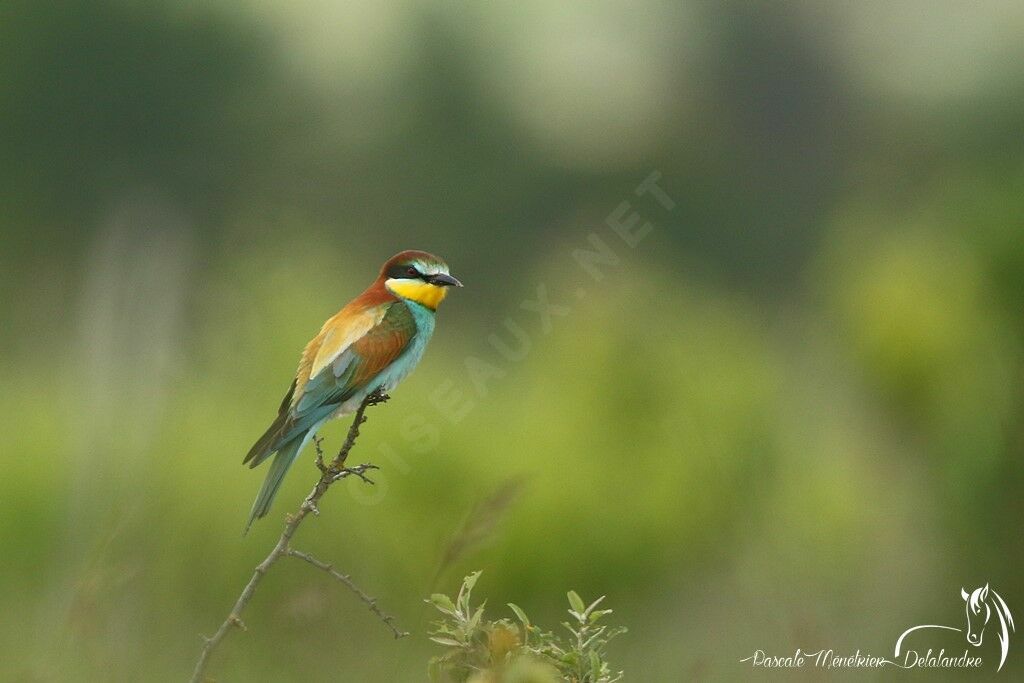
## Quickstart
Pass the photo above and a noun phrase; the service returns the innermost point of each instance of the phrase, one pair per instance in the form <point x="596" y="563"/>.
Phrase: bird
<point x="371" y="344"/>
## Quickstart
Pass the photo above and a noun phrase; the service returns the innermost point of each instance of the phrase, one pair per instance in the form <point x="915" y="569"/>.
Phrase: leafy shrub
<point x="506" y="651"/>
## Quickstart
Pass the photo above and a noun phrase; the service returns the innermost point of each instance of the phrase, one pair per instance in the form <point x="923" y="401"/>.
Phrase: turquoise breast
<point x="405" y="363"/>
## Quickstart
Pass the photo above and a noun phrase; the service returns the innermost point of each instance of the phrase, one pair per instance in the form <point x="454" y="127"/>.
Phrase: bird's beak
<point x="444" y="280"/>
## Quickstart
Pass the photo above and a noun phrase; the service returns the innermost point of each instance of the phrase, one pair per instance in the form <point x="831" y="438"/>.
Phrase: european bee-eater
<point x="372" y="343"/>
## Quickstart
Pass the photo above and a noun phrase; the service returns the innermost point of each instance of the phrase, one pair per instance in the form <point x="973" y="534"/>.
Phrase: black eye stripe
<point x="404" y="272"/>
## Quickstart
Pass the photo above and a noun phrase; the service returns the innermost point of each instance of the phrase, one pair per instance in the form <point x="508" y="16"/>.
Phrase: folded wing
<point x="341" y="361"/>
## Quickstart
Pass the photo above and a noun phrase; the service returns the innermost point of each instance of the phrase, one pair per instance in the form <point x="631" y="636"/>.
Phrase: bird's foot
<point x="377" y="397"/>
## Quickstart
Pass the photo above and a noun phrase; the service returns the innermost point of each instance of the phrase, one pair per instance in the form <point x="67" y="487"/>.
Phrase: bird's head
<point x="418" y="276"/>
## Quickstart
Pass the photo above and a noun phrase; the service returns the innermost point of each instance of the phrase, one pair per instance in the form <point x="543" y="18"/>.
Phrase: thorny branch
<point x="347" y="580"/>
<point x="330" y="473"/>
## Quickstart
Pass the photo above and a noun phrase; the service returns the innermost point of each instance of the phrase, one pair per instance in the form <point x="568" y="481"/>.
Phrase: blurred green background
<point x="791" y="416"/>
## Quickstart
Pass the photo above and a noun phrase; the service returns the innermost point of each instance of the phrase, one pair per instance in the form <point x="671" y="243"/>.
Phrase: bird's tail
<point x="278" y="468"/>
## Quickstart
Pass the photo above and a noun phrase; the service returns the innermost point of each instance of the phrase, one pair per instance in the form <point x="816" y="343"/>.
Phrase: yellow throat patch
<point x="421" y="292"/>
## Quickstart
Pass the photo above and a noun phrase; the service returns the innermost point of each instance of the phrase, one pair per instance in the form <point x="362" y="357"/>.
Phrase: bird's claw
<point x="377" y="397"/>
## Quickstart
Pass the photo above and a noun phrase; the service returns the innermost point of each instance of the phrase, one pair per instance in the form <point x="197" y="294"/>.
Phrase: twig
<point x="329" y="474"/>
<point x="347" y="580"/>
<point x="317" y="442"/>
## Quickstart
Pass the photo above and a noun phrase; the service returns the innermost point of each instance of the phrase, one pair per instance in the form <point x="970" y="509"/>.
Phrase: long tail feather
<point x="265" y="446"/>
<point x="282" y="461"/>
<point x="262" y="449"/>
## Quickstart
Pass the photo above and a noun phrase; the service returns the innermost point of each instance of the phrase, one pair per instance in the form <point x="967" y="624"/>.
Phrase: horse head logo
<point x="976" y="608"/>
<point x="981" y="605"/>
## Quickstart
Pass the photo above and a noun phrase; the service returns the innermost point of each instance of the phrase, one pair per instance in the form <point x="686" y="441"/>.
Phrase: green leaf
<point x="520" y="614"/>
<point x="443" y="629"/>
<point x="470" y="580"/>
<point x="595" y="664"/>
<point x="467" y="588"/>
<point x="475" y="621"/>
<point x="443" y="603"/>
<point x="576" y="602"/>
<point x="446" y="641"/>
<point x="597" y="614"/>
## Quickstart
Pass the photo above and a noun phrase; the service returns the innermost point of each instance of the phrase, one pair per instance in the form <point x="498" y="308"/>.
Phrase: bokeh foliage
<point x="790" y="417"/>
